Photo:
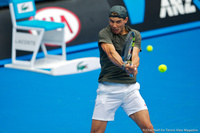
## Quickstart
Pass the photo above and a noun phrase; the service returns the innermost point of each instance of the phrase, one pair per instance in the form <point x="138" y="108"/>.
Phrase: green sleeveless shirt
<point x="109" y="71"/>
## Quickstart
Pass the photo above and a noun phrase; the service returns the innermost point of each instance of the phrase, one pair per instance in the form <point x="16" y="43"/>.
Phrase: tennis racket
<point x="128" y="48"/>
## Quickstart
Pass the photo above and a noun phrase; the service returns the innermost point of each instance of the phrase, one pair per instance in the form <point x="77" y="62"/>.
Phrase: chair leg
<point x="64" y="54"/>
<point x="44" y="49"/>
<point x="13" y="45"/>
<point x="37" y="48"/>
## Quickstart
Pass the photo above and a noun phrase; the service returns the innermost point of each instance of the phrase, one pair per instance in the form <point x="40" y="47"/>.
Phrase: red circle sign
<point x="57" y="14"/>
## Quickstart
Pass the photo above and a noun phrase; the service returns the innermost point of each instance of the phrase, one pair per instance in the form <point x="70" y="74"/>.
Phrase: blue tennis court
<point x="38" y="103"/>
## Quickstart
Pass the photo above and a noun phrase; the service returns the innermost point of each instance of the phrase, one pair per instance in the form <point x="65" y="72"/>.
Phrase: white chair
<point x="23" y="40"/>
<point x="46" y="32"/>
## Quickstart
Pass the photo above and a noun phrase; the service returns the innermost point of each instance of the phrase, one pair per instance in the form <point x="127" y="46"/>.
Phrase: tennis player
<point x="116" y="87"/>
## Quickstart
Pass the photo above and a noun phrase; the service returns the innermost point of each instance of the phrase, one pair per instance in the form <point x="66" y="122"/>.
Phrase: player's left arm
<point x="135" y="57"/>
<point x="135" y="53"/>
<point x="136" y="49"/>
<point x="135" y="60"/>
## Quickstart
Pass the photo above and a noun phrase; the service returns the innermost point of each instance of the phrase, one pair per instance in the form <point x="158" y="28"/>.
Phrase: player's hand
<point x="130" y="69"/>
<point x="135" y="70"/>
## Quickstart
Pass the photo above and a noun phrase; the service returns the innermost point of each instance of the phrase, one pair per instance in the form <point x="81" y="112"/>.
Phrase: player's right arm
<point x="112" y="54"/>
<point x="106" y="44"/>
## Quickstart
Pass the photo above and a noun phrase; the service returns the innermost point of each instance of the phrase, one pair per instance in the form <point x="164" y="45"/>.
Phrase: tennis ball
<point x="149" y="48"/>
<point x="162" y="68"/>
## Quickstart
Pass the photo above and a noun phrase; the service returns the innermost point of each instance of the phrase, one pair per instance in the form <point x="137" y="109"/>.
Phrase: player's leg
<point x="109" y="98"/>
<point x="135" y="107"/>
<point x="142" y="119"/>
<point x="98" y="126"/>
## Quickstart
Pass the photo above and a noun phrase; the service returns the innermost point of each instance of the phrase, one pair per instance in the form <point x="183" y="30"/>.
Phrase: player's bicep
<point x="112" y="54"/>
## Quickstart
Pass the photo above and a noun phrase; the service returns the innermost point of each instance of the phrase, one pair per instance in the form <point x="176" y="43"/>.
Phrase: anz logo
<point x="177" y="7"/>
<point x="172" y="8"/>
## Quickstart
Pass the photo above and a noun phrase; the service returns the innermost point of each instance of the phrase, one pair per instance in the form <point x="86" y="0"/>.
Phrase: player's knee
<point x="148" y="128"/>
<point x="98" y="126"/>
<point x="97" y="131"/>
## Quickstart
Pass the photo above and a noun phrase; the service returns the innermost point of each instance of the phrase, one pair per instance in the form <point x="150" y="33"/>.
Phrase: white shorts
<point x="110" y="96"/>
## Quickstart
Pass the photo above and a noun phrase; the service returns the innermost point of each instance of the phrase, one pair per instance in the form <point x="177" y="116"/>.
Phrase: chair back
<point x="23" y="8"/>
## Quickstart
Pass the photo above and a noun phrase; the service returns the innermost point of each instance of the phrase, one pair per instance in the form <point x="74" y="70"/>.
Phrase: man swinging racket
<point x="119" y="47"/>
